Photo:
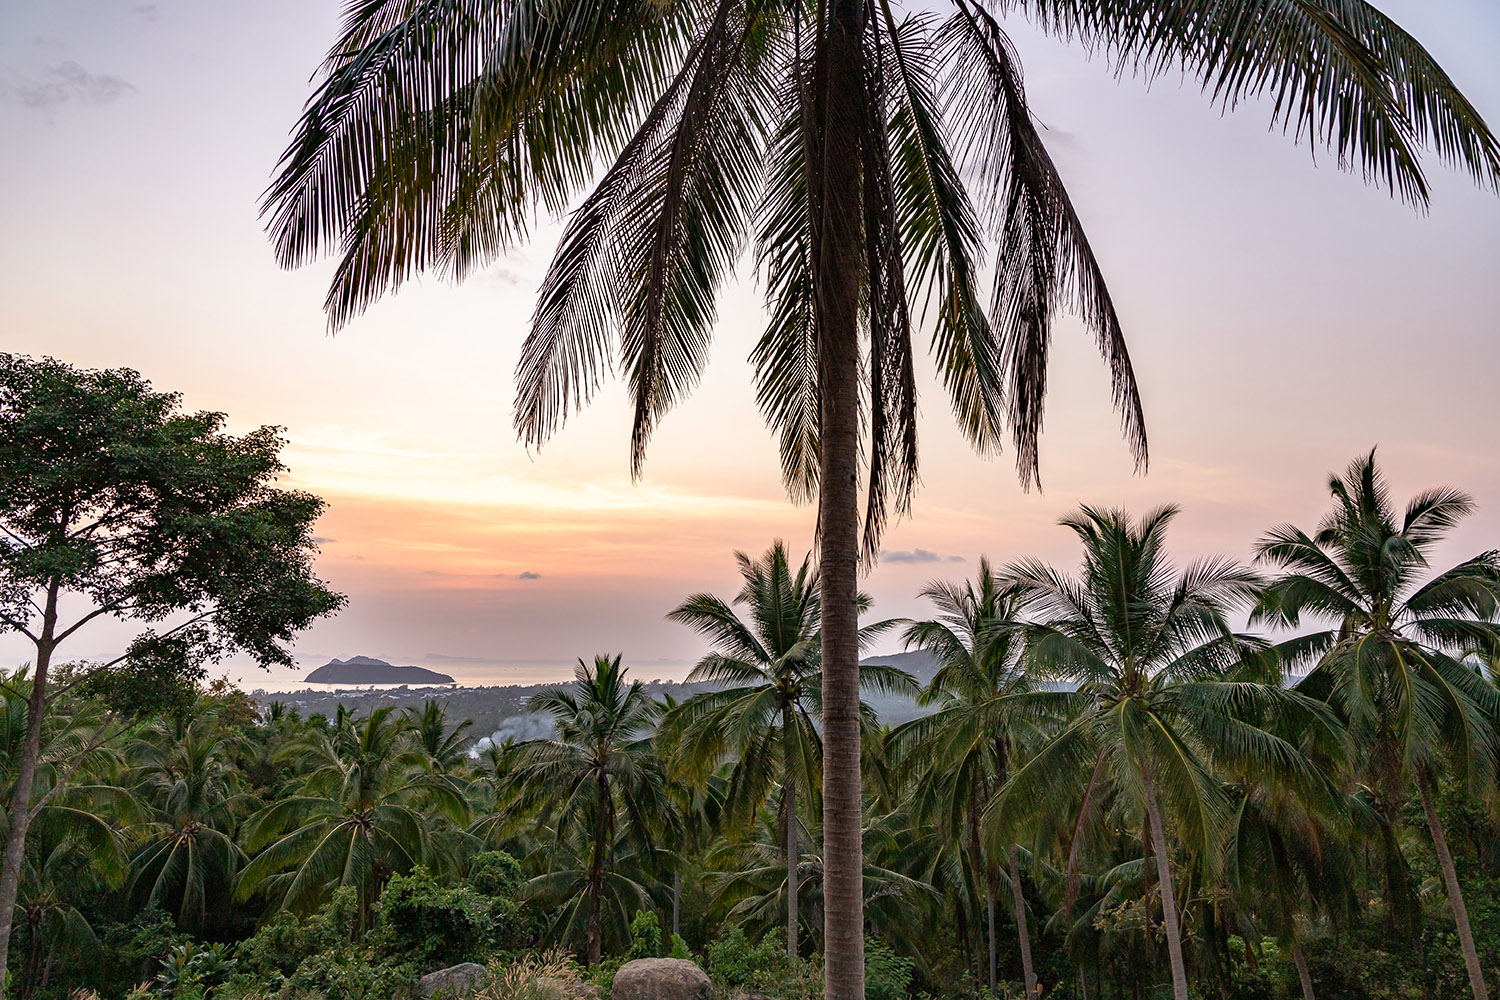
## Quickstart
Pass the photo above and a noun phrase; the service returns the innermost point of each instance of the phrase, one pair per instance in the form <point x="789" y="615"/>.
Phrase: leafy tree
<point x="114" y="503"/>
<point x="367" y="808"/>
<point x="598" y="765"/>
<point x="963" y="751"/>
<point x="1168" y="693"/>
<point x="1389" y="665"/>
<point x="769" y="670"/>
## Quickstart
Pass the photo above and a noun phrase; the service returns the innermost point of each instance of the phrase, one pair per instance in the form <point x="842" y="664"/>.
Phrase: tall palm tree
<point x="598" y="765"/>
<point x="1389" y="665"/>
<point x="191" y="786"/>
<point x="763" y="717"/>
<point x="839" y="134"/>
<point x="1168" y="693"/>
<point x="363" y="812"/>
<point x="964" y="750"/>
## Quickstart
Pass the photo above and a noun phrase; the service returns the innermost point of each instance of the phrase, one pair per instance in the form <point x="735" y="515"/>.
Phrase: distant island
<point x="368" y="670"/>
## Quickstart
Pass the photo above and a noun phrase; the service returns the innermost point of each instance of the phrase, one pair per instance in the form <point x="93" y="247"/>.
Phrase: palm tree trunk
<point x="1018" y="899"/>
<point x="1168" y="895"/>
<point x="1075" y="845"/>
<point x="989" y="909"/>
<point x="1303" y="976"/>
<point x="1455" y="893"/>
<point x="838" y="114"/>
<point x="789" y="809"/>
<point x="20" y="805"/>
<point x="676" y="902"/>
<point x="594" y="932"/>
<point x="981" y="872"/>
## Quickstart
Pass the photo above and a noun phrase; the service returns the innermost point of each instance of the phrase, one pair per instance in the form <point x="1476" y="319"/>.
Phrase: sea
<point x="465" y="671"/>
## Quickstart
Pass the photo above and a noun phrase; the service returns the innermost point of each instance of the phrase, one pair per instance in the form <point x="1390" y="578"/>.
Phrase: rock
<point x="454" y="981"/>
<point x="740" y="993"/>
<point x="661" y="979"/>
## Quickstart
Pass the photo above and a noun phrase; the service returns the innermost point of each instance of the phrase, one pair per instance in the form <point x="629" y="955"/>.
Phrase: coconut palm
<point x="598" y="766"/>
<point x="1389" y="665"/>
<point x="445" y="745"/>
<point x="367" y="807"/>
<point x="191" y="786"/>
<point x="963" y="751"/>
<point x="762" y="718"/>
<point x="1168" y="693"/>
<point x="840" y="136"/>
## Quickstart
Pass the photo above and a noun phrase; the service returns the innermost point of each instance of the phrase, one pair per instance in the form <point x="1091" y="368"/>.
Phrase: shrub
<point x="645" y="935"/>
<point x="533" y="977"/>
<point x="431" y="925"/>
<point x="887" y="975"/>
<point x="495" y="874"/>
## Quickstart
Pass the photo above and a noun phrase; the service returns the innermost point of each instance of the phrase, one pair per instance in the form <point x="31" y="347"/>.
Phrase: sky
<point x="1282" y="315"/>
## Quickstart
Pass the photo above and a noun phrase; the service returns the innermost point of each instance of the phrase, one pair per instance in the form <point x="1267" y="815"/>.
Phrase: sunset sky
<point x="1283" y="316"/>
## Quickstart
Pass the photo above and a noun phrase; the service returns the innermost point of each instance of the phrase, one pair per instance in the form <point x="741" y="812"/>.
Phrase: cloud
<point x="320" y="540"/>
<point x="147" y="12"/>
<point x="67" y="83"/>
<point x="915" y="556"/>
<point x="529" y="575"/>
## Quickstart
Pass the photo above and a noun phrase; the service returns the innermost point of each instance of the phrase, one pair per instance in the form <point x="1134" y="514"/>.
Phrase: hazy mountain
<point x="368" y="670"/>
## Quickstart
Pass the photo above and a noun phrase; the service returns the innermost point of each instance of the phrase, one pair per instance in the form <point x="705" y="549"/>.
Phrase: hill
<point x="368" y="670"/>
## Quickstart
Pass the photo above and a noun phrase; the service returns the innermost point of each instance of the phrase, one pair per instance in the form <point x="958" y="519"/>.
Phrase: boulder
<point x="454" y="981"/>
<point x="661" y="979"/>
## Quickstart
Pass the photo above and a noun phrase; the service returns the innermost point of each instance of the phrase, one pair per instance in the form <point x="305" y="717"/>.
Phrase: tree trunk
<point x="789" y="808"/>
<point x="20" y="803"/>
<point x="1075" y="845"/>
<point x="1303" y="976"/>
<point x="1455" y="893"/>
<point x="982" y="878"/>
<point x="676" y="902"/>
<point x="989" y="909"/>
<point x="1168" y="895"/>
<point x="838" y="246"/>
<point x="1018" y="899"/>
<point x="594" y="933"/>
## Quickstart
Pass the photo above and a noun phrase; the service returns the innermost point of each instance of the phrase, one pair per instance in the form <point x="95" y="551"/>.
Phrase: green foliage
<point x="888" y="976"/>
<point x="680" y="950"/>
<point x="733" y="962"/>
<point x="645" y="935"/>
<point x="430" y="925"/>
<point x="495" y="874"/>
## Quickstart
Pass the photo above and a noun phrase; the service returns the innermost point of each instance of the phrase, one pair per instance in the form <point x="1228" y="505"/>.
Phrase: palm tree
<point x="839" y="135"/>
<point x="964" y="750"/>
<point x="1168" y="696"/>
<point x="763" y="716"/>
<point x="364" y="811"/>
<point x="445" y="745"/>
<point x="1390" y="665"/>
<point x="191" y="786"/>
<point x="598" y="765"/>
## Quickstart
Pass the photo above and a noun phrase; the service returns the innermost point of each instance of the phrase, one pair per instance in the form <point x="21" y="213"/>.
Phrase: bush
<point x="495" y="874"/>
<point x="887" y="974"/>
<point x="645" y="935"/>
<point x="534" y="977"/>
<point x="733" y="962"/>
<point x="430" y="925"/>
